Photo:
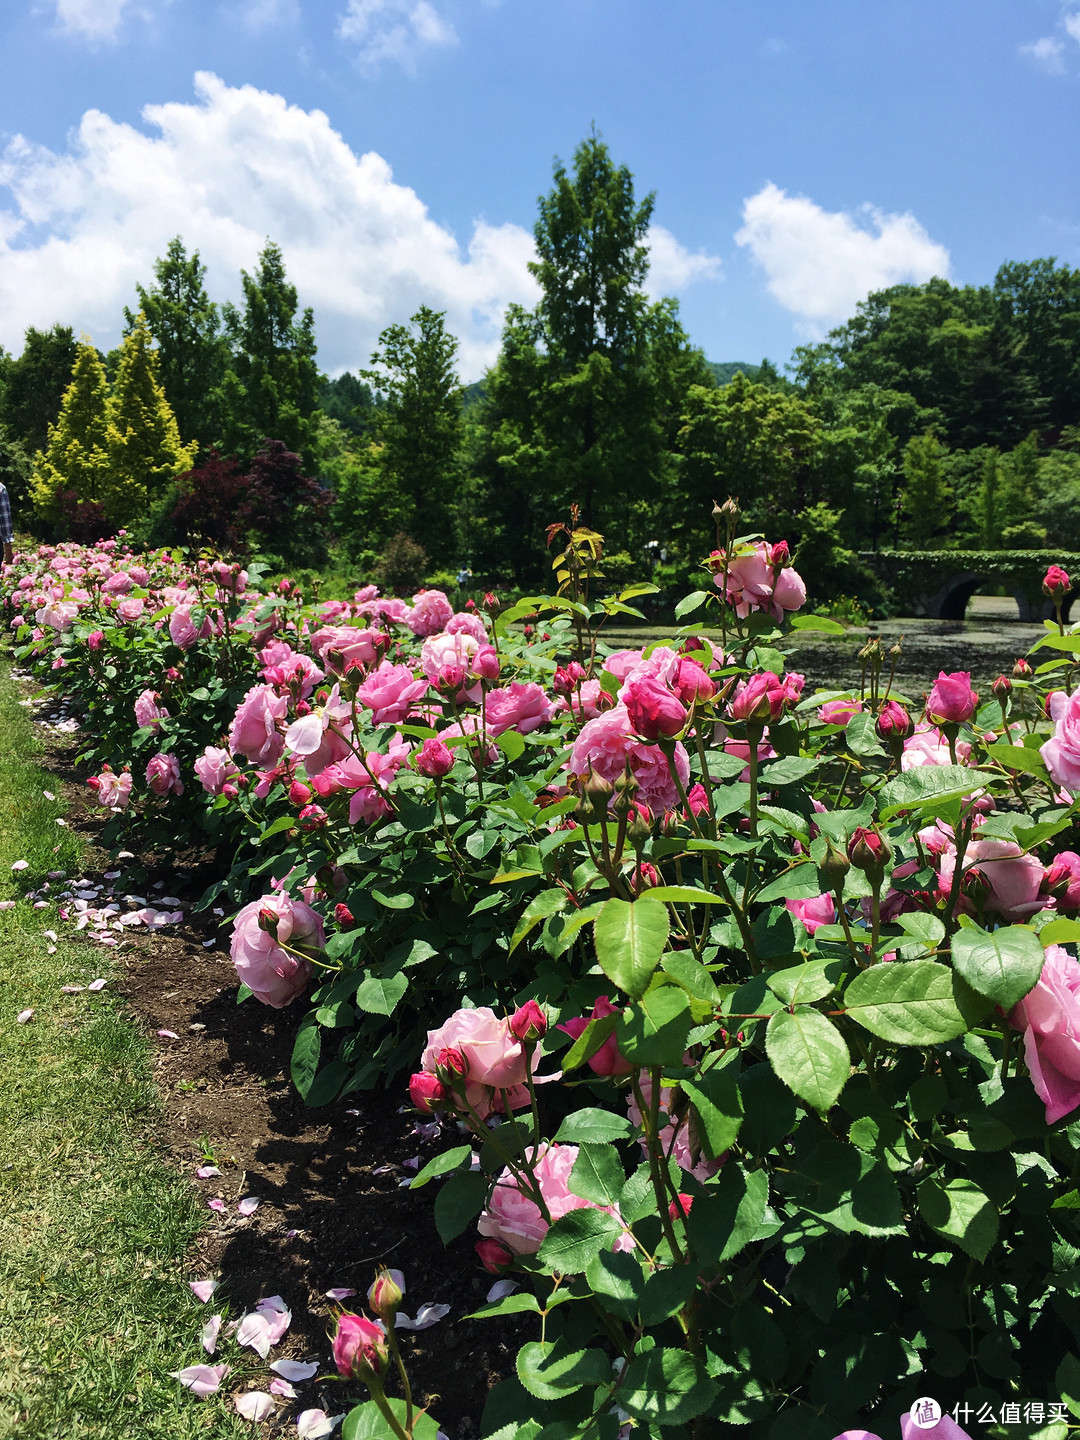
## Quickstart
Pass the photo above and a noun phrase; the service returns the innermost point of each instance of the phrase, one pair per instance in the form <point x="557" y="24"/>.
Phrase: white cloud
<point x="91" y="19"/>
<point x="672" y="266"/>
<point x="1047" y="53"/>
<point x="259" y="15"/>
<point x="1072" y="26"/>
<point x="395" y="30"/>
<point x="820" y="263"/>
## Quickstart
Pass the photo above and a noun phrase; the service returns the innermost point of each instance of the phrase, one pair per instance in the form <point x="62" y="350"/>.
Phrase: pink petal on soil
<point x="282" y="1387"/>
<point x="202" y="1379"/>
<point x="316" y="1424"/>
<point x="210" y="1332"/>
<point x="249" y="1204"/>
<point x="341" y="1292"/>
<point x="204" y="1172"/>
<point x="255" y="1331"/>
<point x="23" y="1016"/>
<point x="168" y="1035"/>
<point x="298" y="1370"/>
<point x="216" y="1204"/>
<point x="203" y="1289"/>
<point x="255" y="1405"/>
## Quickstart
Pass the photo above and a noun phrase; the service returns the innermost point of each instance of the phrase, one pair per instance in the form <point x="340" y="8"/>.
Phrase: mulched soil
<point x="330" y="1181"/>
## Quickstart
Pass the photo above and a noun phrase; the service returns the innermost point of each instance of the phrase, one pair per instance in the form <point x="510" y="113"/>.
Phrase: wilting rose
<point x="114" y="791"/>
<point x="952" y="701"/>
<point x="275" y="976"/>
<point x="1049" y="1016"/>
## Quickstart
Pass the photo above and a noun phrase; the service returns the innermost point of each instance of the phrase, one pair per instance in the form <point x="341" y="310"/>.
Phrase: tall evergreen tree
<point x="76" y="456"/>
<point x="34" y="385"/>
<point x="271" y="389"/>
<point x="145" y="451"/>
<point x="927" y="497"/>
<point x="192" y="352"/>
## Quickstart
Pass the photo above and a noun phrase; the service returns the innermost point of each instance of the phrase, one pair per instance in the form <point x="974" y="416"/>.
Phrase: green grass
<point x="95" y="1308"/>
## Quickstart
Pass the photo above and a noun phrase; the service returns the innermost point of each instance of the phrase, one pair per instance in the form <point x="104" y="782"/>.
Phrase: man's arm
<point x="7" y="534"/>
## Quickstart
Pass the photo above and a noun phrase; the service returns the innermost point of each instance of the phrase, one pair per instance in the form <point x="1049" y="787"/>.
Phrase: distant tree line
<point x="937" y="416"/>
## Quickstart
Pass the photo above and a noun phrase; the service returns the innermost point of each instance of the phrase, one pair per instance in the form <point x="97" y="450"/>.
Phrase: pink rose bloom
<point x="348" y="641"/>
<point x="369" y="592"/>
<point x="653" y="711"/>
<point x="444" y="649"/>
<point x="147" y="710"/>
<point x="608" y="1060"/>
<point x="1015" y="879"/>
<point x="661" y="666"/>
<point x="839" y="712"/>
<point x="674" y="1135"/>
<point x="390" y="692"/>
<point x="94" y="640"/>
<point x="118" y="584"/>
<point x="607" y="744"/>
<point x="762" y="697"/>
<point x="114" y="791"/>
<point x="817" y="911"/>
<point x="952" y="701"/>
<point x="522" y="706"/>
<point x="163" y="775"/>
<point x="57" y="615"/>
<point x="291" y="667"/>
<point x="493" y="1055"/>
<point x="214" y="767"/>
<point x="468" y="728"/>
<point x="139" y="574"/>
<point x="390" y="608"/>
<point x="1062" y="880"/>
<point x="927" y="746"/>
<point x="369" y="800"/>
<point x="321" y="736"/>
<point x="514" y="1219"/>
<point x="433" y="759"/>
<point x="692" y="683"/>
<point x="754" y="583"/>
<point x="182" y="630"/>
<point x="275" y="976"/>
<point x="429" y="614"/>
<point x="1062" y="751"/>
<point x="586" y="701"/>
<point x="130" y="609"/>
<point x="622" y="662"/>
<point x="464" y="623"/>
<point x="1050" y="1019"/>
<point x="331" y="610"/>
<point x="254" y="732"/>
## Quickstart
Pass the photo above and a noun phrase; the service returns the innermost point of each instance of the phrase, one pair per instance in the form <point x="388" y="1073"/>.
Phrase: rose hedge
<point x="800" y="967"/>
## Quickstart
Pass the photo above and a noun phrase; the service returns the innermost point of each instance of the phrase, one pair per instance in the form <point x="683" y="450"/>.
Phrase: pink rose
<point x="182" y="630"/>
<point x="118" y="584"/>
<point x="1014" y="879"/>
<point x="586" y="701"/>
<point x="254" y="732"/>
<point x="839" y="712"/>
<point x="674" y="1133"/>
<point x="762" y="697"/>
<point x="291" y="669"/>
<point x="927" y="746"/>
<point x="608" y="1060"/>
<point x="147" y="710"/>
<point x="817" y="911"/>
<point x="653" y="711"/>
<point x="369" y="780"/>
<point x="952" y="701"/>
<point x="493" y="1055"/>
<point x="466" y="624"/>
<point x="1050" y="1019"/>
<point x="1062" y="751"/>
<point x="348" y="642"/>
<point x="114" y="791"/>
<point x="429" y="614"/>
<point x="139" y="574"/>
<point x="214" y="768"/>
<point x="94" y="640"/>
<point x="163" y="775"/>
<point x="273" y="974"/>
<point x="439" y="651"/>
<point x="754" y="582"/>
<point x="607" y="744"/>
<point x="693" y="683"/>
<point x="1062" y="880"/>
<point x="515" y="1220"/>
<point x="522" y="706"/>
<point x="433" y="759"/>
<point x="1056" y="584"/>
<point x="390" y="692"/>
<point x="359" y="1346"/>
<point x="130" y="609"/>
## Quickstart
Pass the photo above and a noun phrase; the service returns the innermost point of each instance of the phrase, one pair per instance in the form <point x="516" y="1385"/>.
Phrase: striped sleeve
<point x="6" y="532"/>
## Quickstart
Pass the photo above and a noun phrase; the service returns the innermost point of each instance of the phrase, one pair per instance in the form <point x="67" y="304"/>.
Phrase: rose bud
<point x="680" y="1206"/>
<point x="780" y="555"/>
<point x="434" y="759"/>
<point x="868" y="850"/>
<point x="312" y="817"/>
<point x="470" y="604"/>
<point x="386" y="1294"/>
<point x="229" y="790"/>
<point x="172" y="673"/>
<point x="94" y="782"/>
<point x="299" y="793"/>
<point x="323" y="786"/>
<point x="952" y="700"/>
<point x="268" y="920"/>
<point x="1056" y="584"/>
<point x="596" y="795"/>
<point x="1022" y="670"/>
<point x="491" y="602"/>
<point x="344" y="916"/>
<point x="450" y="679"/>
<point x="975" y="886"/>
<point x="359" y="1346"/>
<point x="527" y="631"/>
<point x="654" y="712"/>
<point x="485" y="664"/>
<point x="451" y="1066"/>
<point x="1002" y="688"/>
<point x="303" y="708"/>
<point x="566" y="678"/>
<point x="647" y="877"/>
<point x="894" y="722"/>
<point x="528" y="1023"/>
<point x="692" y="682"/>
<point x="494" y="1256"/>
<point x="96" y="639"/>
<point x="834" y="867"/>
<point x="427" y="1092"/>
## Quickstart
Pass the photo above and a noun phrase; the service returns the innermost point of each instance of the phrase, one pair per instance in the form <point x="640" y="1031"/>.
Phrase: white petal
<point x="23" y="1016"/>
<point x="249" y="1204"/>
<point x="97" y="984"/>
<point x="203" y="1289"/>
<point x="298" y="1370"/>
<point x="315" y="1424"/>
<point x="255" y="1405"/>
<point x="426" y="1316"/>
<point x="282" y="1387"/>
<point x="168" y="1035"/>
<point x="341" y="1292"/>
<point x="254" y="1330"/>
<point x="304" y="736"/>
<point x="209" y="1335"/>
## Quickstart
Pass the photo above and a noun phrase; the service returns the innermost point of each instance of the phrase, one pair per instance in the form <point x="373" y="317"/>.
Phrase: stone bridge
<point x="939" y="583"/>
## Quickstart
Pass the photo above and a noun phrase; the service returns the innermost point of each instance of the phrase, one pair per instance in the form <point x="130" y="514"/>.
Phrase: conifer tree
<point x="76" y="457"/>
<point x="927" y="497"/>
<point x="145" y="451"/>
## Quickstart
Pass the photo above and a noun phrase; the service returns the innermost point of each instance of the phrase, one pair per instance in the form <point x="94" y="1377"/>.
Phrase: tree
<point x="927" y="498"/>
<point x="192" y="352"/>
<point x="145" y="452"/>
<point x="209" y="502"/>
<point x="350" y="402"/>
<point x="286" y="508"/>
<point x="76" y="456"/>
<point x="271" y="388"/>
<point x="420" y="430"/>
<point x="34" y="385"/>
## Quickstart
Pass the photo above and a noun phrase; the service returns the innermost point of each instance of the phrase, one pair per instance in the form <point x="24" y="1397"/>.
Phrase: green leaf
<point x="728" y="1216"/>
<point x="511" y="743"/>
<point x="809" y="1054"/>
<point x="598" y="1127"/>
<point x="1003" y="964"/>
<point x="805" y="983"/>
<point x="630" y="939"/>
<point x="574" y="1239"/>
<point x="458" y="1202"/>
<point x="597" y="1174"/>
<point x="1018" y="757"/>
<point x="666" y="1292"/>
<point x="911" y="1002"/>
<point x="542" y="907"/>
<point x="665" y="1387"/>
<point x="678" y="894"/>
<point x="367" y="1422"/>
<point x="928" y="785"/>
<point x="549" y="1370"/>
<point x="338" y="1015"/>
<point x="589" y="1041"/>
<point x="402" y="901"/>
<point x="379" y="994"/>
<point x="654" y="1031"/>
<point x="521" y="1303"/>
<point x="245" y="992"/>
<point x="817" y="622"/>
<point x="860" y="735"/>
<point x="847" y="1189"/>
<point x="801" y="882"/>
<point x="285" y="822"/>
<point x="1061" y="931"/>
<point x="718" y="1104"/>
<point x="689" y="603"/>
<point x="927" y="928"/>
<point x="961" y="1212"/>
<point x="691" y="975"/>
<point x="619" y="1276"/>
<point x="442" y="1164"/>
<point x="307" y="1048"/>
<point x="789" y="771"/>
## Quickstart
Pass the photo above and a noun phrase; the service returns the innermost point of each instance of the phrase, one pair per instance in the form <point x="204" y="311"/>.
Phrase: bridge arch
<point x="939" y="584"/>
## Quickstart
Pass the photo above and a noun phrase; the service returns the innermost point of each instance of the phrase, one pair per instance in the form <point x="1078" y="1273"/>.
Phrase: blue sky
<point x="801" y="154"/>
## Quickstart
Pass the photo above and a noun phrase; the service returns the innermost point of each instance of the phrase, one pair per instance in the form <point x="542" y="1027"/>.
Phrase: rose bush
<point x="801" y="965"/>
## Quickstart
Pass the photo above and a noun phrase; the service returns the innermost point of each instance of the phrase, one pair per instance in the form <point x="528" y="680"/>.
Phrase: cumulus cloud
<point x="1072" y="26"/>
<point x="259" y="15"/>
<point x="225" y="173"/>
<point x="820" y="263"/>
<point x="1048" y="54"/>
<point x="394" y="30"/>
<point x="672" y="266"/>
<point x="91" y="19"/>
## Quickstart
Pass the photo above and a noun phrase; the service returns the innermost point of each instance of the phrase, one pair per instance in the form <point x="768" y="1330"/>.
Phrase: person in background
<point x="7" y="534"/>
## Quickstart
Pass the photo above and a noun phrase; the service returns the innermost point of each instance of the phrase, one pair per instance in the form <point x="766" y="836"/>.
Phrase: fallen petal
<point x="202" y="1379"/>
<point x="298" y="1370"/>
<point x="72" y="989"/>
<point x="10" y="905"/>
<point x="168" y="1035"/>
<point x="316" y="1424"/>
<point x="50" y="934"/>
<point x="274" y="1303"/>
<point x="23" y="1016"/>
<point x="254" y="1330"/>
<point x="203" y="1289"/>
<point x="255" y="1405"/>
<point x="341" y="1292"/>
<point x="500" y="1289"/>
<point x="97" y="984"/>
<point x="48" y="795"/>
<point x="282" y="1387"/>
<point x="21" y="865"/>
<point x="215" y="1204"/>
<point x="205" y="1172"/>
<point x="426" y="1316"/>
<point x="210" y="1332"/>
<point x="249" y="1204"/>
